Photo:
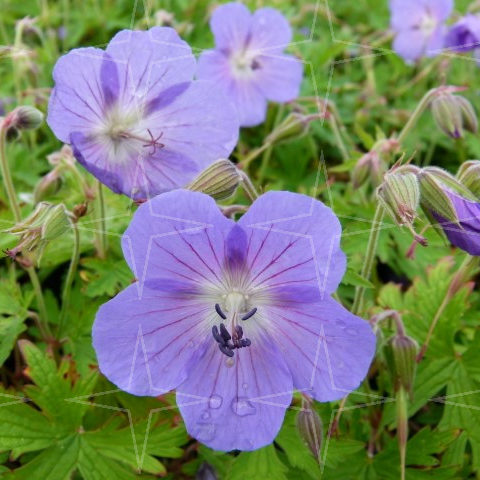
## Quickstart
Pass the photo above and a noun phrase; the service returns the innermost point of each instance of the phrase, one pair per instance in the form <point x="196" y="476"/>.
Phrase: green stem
<point x="338" y="138"/>
<point x="72" y="269"/>
<point x="369" y="258"/>
<point x="7" y="178"/>
<point x="248" y="187"/>
<point x="12" y="198"/>
<point x="100" y="233"/>
<point x="253" y="155"/>
<point x="402" y="428"/>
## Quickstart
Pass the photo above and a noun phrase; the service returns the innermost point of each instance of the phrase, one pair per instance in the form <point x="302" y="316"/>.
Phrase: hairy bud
<point x="45" y="224"/>
<point x="219" y="180"/>
<point x="400" y="195"/>
<point x="434" y="186"/>
<point x="24" y="118"/>
<point x="401" y="353"/>
<point x="309" y="426"/>
<point x="453" y="114"/>
<point x="469" y="175"/>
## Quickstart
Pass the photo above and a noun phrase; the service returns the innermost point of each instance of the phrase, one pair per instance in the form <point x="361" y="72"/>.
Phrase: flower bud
<point x="453" y="114"/>
<point x="309" y="426"/>
<point x="401" y="353"/>
<point x="46" y="223"/>
<point x="219" y="180"/>
<point x="47" y="186"/>
<point x="469" y="175"/>
<point x="400" y="195"/>
<point x="434" y="197"/>
<point x="24" y="118"/>
<point x="293" y="126"/>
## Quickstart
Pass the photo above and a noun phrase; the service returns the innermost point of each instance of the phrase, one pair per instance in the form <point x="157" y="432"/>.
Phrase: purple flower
<point x="464" y="36"/>
<point x="419" y="27"/>
<point x="466" y="233"/>
<point x="248" y="63"/>
<point x="133" y="115"/>
<point x="233" y="315"/>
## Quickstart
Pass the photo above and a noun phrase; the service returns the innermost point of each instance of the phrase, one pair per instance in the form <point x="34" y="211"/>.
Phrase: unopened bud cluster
<point x="45" y="224"/>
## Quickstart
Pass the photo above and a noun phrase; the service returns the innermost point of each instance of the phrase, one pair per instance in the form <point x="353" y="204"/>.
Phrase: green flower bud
<point x="24" y="118"/>
<point x="219" y="180"/>
<point x="453" y="114"/>
<point x="401" y="353"/>
<point x="469" y="175"/>
<point x="46" y="223"/>
<point x="293" y="126"/>
<point x="434" y="184"/>
<point x="310" y="428"/>
<point x="400" y="195"/>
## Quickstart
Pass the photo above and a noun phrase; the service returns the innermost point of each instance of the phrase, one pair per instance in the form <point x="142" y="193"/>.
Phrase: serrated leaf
<point x="258" y="465"/>
<point x="353" y="278"/>
<point x="106" y="278"/>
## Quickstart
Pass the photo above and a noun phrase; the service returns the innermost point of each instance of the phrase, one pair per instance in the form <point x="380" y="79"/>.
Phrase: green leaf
<point x="353" y="278"/>
<point x="106" y="278"/>
<point x="258" y="465"/>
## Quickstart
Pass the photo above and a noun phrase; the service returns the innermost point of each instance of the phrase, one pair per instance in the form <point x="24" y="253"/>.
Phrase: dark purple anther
<point x="224" y="333"/>
<point x="219" y="311"/>
<point x="226" y="350"/>
<point x="239" y="331"/>
<point x="250" y="314"/>
<point x="217" y="336"/>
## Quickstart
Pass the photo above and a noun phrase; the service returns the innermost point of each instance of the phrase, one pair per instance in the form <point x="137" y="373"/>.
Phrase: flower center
<point x="236" y="305"/>
<point x="428" y="24"/>
<point x="122" y="127"/>
<point x="244" y="63"/>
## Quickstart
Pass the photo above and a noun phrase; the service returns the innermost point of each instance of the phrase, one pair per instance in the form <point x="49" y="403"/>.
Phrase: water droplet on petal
<point x="245" y="386"/>
<point x="204" y="431"/>
<point x="215" y="401"/>
<point x="190" y="344"/>
<point x="243" y="407"/>
<point x="206" y="415"/>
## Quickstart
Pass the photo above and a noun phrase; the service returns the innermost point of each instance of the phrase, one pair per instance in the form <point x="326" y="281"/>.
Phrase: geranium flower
<point x="248" y="64"/>
<point x="464" y="36"/>
<point x="419" y="27"/>
<point x="135" y="118"/>
<point x="233" y="316"/>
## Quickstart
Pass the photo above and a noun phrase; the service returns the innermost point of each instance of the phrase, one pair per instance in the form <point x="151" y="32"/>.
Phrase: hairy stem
<point x="369" y="258"/>
<point x="72" y="269"/>
<point x="12" y="198"/>
<point x="100" y="232"/>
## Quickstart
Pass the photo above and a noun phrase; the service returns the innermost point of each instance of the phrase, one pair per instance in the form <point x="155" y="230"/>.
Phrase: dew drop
<point x="215" y="401"/>
<point x="205" y="431"/>
<point x="206" y="415"/>
<point x="243" y="407"/>
<point x="190" y="344"/>
<point x="245" y="386"/>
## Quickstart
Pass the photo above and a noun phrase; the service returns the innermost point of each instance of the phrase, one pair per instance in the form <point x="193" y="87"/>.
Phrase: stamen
<point x="250" y="314"/>
<point x="246" y="342"/>
<point x="224" y="332"/>
<point x="219" y="311"/>
<point x="226" y="350"/>
<point x="217" y="336"/>
<point x="239" y="331"/>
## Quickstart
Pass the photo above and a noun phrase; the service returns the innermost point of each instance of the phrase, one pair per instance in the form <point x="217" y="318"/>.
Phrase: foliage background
<point x="60" y="419"/>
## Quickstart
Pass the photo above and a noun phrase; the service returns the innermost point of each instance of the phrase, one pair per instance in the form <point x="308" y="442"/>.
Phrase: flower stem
<point x="69" y="280"/>
<point x="100" y="232"/>
<point x="338" y="138"/>
<point x="253" y="155"/>
<point x="12" y="198"/>
<point x="7" y="178"/>
<point x="402" y="428"/>
<point x="369" y="258"/>
<point x="248" y="187"/>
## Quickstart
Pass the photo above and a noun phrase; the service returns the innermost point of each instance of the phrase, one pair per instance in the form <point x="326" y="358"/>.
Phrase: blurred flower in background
<point x="419" y="27"/>
<point x="464" y="35"/>
<point x="248" y="63"/>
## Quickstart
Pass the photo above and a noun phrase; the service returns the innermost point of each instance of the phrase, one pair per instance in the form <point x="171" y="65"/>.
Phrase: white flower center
<point x="244" y="63"/>
<point x="428" y="24"/>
